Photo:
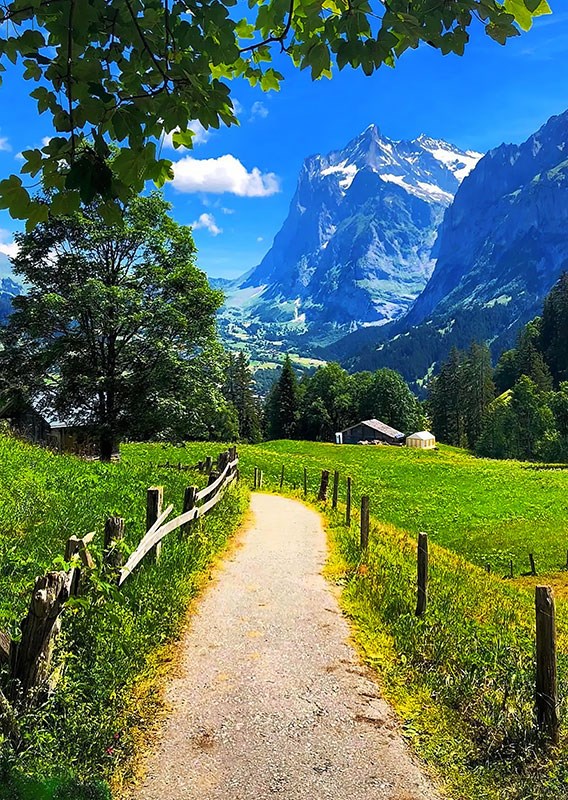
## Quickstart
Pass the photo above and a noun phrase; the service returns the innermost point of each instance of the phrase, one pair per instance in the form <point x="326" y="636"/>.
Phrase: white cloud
<point x="201" y="135"/>
<point x="258" y="110"/>
<point x="46" y="140"/>
<point x="238" y="107"/>
<point x="223" y="174"/>
<point x="226" y="210"/>
<point x="5" y="144"/>
<point x="207" y="221"/>
<point x="7" y="244"/>
<point x="260" y="238"/>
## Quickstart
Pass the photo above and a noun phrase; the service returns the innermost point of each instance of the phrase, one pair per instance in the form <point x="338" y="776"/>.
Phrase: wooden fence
<point x="29" y="659"/>
<point x="546" y="683"/>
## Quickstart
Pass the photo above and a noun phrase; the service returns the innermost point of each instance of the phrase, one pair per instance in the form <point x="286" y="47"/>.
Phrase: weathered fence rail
<point x="29" y="659"/>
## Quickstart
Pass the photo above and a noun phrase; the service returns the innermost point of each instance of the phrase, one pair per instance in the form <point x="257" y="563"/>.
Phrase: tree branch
<point x="273" y="38"/>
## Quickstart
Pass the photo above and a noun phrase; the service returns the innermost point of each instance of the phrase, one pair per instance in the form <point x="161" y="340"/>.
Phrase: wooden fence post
<point x="305" y="482"/>
<point x="260" y="479"/>
<point x="322" y="494"/>
<point x="364" y="522"/>
<point x="255" y="486"/>
<point x="213" y="475"/>
<point x="282" y="477"/>
<point x="348" y="504"/>
<point x="189" y="500"/>
<point x="30" y="657"/>
<point x="208" y="466"/>
<point x="533" y="567"/>
<point x="422" y="582"/>
<point x="74" y="576"/>
<point x="546" y="695"/>
<point x="154" y="502"/>
<point x="335" y="489"/>
<point x="114" y="535"/>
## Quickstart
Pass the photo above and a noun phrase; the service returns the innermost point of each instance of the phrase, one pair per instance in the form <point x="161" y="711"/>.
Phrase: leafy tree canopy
<point x="126" y="71"/>
<point x="116" y="325"/>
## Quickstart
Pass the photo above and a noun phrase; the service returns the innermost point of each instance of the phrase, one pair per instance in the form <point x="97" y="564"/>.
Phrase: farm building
<point x="372" y="431"/>
<point x="423" y="439"/>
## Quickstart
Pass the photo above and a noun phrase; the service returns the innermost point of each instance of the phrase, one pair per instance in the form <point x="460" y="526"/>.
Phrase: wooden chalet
<point x="370" y="431"/>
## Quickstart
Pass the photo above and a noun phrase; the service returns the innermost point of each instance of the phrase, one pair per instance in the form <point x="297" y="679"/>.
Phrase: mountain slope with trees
<point x="500" y="249"/>
<point x="528" y="419"/>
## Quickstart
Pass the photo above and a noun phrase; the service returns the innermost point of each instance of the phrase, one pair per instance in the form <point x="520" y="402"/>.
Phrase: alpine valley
<point x="355" y="249"/>
<point x="393" y="252"/>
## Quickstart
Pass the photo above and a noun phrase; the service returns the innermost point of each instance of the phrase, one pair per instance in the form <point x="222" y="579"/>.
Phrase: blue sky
<point x="240" y="182"/>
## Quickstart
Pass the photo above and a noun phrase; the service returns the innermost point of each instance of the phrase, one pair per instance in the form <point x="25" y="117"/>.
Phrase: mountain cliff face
<point x="8" y="290"/>
<point x="356" y="246"/>
<point x="502" y="245"/>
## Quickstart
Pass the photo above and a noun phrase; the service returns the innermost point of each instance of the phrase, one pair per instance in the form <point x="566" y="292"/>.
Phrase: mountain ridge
<point x="355" y="247"/>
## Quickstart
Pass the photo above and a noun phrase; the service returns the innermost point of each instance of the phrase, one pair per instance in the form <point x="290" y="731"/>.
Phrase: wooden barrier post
<point x="511" y="574"/>
<point x="189" y="499"/>
<point x="364" y="522"/>
<point x="255" y="478"/>
<point x="114" y="535"/>
<point x="348" y="504"/>
<point x="208" y="465"/>
<point x="533" y="567"/>
<point x="260" y="479"/>
<point x="30" y="657"/>
<point x="422" y="581"/>
<point x="154" y="502"/>
<point x="335" y="489"/>
<point x="305" y="482"/>
<point x="213" y="475"/>
<point x="546" y="696"/>
<point x="282" y="477"/>
<point x="322" y="494"/>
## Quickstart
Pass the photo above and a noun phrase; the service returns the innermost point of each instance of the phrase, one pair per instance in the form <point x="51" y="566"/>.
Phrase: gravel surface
<point x="271" y="698"/>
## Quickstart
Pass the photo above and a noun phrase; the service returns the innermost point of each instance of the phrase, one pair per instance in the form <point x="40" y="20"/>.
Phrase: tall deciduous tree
<point x="113" y="315"/>
<point x="326" y="403"/>
<point x="386" y="396"/>
<point x="129" y="70"/>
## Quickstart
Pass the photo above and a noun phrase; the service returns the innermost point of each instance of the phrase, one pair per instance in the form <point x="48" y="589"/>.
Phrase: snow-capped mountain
<point x="501" y="247"/>
<point x="356" y="246"/>
<point x="8" y="290"/>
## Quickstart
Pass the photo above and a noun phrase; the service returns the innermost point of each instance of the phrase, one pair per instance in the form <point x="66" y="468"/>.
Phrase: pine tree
<point x="554" y="331"/>
<point x="447" y="401"/>
<point x="283" y="404"/>
<point x="239" y="391"/>
<point x="479" y="390"/>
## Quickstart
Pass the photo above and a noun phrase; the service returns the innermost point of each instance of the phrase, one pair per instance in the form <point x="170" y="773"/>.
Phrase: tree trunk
<point x="107" y="443"/>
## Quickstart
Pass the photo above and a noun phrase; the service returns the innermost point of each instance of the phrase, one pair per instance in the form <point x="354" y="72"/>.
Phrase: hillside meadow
<point x="461" y="679"/>
<point x="115" y="646"/>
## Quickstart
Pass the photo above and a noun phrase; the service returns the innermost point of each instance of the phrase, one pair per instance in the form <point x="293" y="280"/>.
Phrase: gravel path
<point x="272" y="699"/>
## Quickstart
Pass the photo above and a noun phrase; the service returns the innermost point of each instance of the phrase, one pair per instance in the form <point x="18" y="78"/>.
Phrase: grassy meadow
<point x="114" y="644"/>
<point x="461" y="679"/>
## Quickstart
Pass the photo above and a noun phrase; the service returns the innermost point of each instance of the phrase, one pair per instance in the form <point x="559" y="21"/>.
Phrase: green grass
<point x="488" y="511"/>
<point x="461" y="679"/>
<point x="112" y="647"/>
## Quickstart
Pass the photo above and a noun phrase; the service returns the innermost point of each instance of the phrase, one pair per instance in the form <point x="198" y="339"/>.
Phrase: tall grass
<point x="113" y="642"/>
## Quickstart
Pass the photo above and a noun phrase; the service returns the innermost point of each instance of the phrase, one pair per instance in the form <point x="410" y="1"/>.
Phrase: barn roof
<point x="424" y="435"/>
<point x="377" y="425"/>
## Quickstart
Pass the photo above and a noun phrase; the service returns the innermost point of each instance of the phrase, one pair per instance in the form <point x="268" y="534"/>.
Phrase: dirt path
<point x="272" y="699"/>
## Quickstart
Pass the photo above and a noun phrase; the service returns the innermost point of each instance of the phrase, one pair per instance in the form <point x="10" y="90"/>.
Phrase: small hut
<point x="422" y="439"/>
<point x="370" y="431"/>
